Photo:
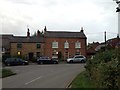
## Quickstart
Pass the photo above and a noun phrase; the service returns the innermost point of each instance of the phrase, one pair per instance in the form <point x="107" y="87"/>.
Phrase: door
<point x="77" y="59"/>
<point x="30" y="56"/>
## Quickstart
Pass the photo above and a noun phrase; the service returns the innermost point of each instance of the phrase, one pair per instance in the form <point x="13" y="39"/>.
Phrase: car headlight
<point x="26" y="61"/>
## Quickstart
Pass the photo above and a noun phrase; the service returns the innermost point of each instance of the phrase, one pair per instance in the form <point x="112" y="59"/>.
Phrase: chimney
<point x="82" y="30"/>
<point x="28" y="33"/>
<point x="118" y="36"/>
<point x="38" y="33"/>
<point x="45" y="29"/>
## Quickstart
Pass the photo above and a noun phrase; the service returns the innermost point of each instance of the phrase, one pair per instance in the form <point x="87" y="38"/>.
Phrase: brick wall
<point x="71" y="50"/>
<point x="26" y="49"/>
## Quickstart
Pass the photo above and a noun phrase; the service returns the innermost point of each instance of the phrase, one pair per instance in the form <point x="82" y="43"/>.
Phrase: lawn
<point x="82" y="81"/>
<point x="6" y="73"/>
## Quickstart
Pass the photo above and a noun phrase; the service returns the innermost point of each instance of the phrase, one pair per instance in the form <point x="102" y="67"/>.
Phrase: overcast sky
<point x="95" y="16"/>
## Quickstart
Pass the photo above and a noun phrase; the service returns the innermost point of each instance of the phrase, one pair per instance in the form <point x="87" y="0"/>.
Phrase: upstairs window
<point x="38" y="45"/>
<point x="19" y="45"/>
<point x="54" y="44"/>
<point x="77" y="44"/>
<point x="66" y="45"/>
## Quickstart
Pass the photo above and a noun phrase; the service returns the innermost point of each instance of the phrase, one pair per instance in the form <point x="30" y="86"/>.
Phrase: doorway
<point x="31" y="56"/>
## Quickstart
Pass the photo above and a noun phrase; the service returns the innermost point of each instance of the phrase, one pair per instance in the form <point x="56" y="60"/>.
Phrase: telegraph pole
<point x="105" y="40"/>
<point x="118" y="10"/>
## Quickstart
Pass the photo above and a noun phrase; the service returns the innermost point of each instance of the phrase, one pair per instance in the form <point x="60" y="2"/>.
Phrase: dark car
<point x="46" y="60"/>
<point x="15" y="61"/>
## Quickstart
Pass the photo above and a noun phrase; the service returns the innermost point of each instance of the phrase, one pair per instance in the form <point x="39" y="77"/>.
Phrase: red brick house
<point x="49" y="43"/>
<point x="66" y="43"/>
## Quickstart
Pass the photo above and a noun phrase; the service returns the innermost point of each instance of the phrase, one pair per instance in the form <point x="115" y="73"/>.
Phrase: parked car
<point x="76" y="59"/>
<point x="46" y="60"/>
<point x="15" y="61"/>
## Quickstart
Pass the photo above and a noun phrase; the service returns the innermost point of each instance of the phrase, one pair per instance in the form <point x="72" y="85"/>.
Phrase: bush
<point x="104" y="69"/>
<point x="7" y="72"/>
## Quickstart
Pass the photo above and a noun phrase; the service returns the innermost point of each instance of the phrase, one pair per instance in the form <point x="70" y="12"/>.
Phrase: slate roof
<point x="35" y="39"/>
<point x="63" y="34"/>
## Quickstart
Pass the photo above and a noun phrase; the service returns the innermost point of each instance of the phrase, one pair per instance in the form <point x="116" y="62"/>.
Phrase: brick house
<point x="50" y="44"/>
<point x="66" y="43"/>
<point x="28" y="47"/>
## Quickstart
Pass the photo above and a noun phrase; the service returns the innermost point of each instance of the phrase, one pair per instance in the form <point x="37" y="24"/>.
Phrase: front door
<point x="30" y="56"/>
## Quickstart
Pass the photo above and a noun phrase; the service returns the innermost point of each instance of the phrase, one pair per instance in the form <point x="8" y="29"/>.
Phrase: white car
<point x="77" y="58"/>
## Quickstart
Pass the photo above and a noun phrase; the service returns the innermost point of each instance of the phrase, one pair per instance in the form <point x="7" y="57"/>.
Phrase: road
<point x="42" y="76"/>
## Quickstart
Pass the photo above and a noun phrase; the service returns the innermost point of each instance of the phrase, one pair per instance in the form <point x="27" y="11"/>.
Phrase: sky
<point x="95" y="16"/>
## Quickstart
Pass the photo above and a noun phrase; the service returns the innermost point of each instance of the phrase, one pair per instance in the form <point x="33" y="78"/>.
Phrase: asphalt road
<point x="42" y="76"/>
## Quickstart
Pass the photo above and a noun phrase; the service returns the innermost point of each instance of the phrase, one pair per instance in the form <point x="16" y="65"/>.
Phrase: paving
<point x="42" y="76"/>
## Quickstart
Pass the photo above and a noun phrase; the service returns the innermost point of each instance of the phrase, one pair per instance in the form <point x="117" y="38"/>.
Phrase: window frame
<point x="19" y="45"/>
<point x="66" y="45"/>
<point x="77" y="44"/>
<point x="54" y="44"/>
<point x="37" y="45"/>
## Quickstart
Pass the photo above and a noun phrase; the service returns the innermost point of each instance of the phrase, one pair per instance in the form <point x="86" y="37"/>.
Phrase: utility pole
<point x="118" y="10"/>
<point x="105" y="40"/>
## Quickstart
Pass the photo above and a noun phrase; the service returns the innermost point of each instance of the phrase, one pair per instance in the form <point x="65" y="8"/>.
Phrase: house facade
<point x="67" y="44"/>
<point x="51" y="44"/>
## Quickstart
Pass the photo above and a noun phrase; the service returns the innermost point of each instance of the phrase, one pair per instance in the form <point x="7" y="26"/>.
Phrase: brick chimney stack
<point x="82" y="30"/>
<point x="38" y="33"/>
<point x="28" y="33"/>
<point x="45" y="29"/>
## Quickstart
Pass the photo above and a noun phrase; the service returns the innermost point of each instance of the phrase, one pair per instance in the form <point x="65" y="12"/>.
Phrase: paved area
<point x="42" y="76"/>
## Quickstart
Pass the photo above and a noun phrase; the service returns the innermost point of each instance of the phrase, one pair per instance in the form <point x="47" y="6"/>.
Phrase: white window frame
<point x="66" y="45"/>
<point x="78" y="44"/>
<point x="54" y="44"/>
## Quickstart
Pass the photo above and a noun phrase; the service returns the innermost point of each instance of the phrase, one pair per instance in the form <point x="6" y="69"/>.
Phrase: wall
<point x="72" y="50"/>
<point x="26" y="49"/>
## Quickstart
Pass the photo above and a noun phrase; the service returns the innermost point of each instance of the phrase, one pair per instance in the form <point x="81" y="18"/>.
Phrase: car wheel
<point x="8" y="64"/>
<point x="41" y="62"/>
<point x="23" y="63"/>
<point x="55" y="62"/>
<point x="82" y="61"/>
<point x="71" y="61"/>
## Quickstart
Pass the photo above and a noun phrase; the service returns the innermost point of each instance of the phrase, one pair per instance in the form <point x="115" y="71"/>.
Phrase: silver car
<point x="76" y="59"/>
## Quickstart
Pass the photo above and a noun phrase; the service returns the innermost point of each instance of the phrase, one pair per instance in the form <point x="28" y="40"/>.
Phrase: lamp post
<point x="118" y="10"/>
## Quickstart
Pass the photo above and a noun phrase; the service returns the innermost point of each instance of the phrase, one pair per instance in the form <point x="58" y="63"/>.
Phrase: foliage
<point x="7" y="72"/>
<point x="104" y="69"/>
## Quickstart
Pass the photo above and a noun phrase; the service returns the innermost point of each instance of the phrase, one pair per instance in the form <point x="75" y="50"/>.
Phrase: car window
<point x="79" y="57"/>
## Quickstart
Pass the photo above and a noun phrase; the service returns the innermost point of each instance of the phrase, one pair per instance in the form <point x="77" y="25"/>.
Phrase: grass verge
<point x="82" y="81"/>
<point x="6" y="72"/>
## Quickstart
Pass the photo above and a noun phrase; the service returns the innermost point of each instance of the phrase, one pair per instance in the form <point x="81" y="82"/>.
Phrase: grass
<point x="82" y="81"/>
<point x="6" y="73"/>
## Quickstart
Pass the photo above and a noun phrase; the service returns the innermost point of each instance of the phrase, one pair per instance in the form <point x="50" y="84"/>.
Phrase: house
<point x="5" y="45"/>
<point x="91" y="48"/>
<point x="114" y="42"/>
<point x="49" y="43"/>
<point x="66" y="43"/>
<point x="29" y="47"/>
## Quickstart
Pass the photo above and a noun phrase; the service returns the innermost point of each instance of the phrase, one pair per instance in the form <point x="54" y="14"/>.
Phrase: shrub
<point x="104" y="69"/>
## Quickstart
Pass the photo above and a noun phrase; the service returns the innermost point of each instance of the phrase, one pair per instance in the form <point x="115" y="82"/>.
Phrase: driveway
<point x="42" y="76"/>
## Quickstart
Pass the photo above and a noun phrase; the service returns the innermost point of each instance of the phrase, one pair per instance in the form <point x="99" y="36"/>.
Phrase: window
<point x="77" y="53"/>
<point x="77" y="45"/>
<point x="66" y="45"/>
<point x="19" y="45"/>
<point x="54" y="44"/>
<point x="38" y="45"/>
<point x="18" y="53"/>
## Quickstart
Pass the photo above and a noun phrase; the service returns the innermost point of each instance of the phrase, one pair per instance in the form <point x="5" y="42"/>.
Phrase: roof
<point x="35" y="39"/>
<point x="63" y="34"/>
<point x="6" y="36"/>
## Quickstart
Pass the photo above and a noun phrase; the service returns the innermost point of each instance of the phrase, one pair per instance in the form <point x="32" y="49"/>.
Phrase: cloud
<point x="70" y="15"/>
